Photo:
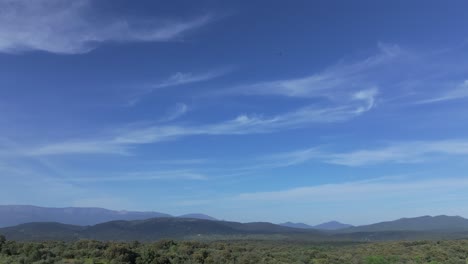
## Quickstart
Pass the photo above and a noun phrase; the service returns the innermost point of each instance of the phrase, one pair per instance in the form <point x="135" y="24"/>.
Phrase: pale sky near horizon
<point x="303" y="111"/>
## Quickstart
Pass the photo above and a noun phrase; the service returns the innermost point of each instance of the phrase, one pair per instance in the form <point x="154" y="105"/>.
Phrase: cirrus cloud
<point x="69" y="27"/>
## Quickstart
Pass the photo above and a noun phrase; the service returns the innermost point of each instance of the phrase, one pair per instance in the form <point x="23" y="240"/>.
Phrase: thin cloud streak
<point x="418" y="77"/>
<point x="241" y="125"/>
<point x="178" y="79"/>
<point x="337" y="83"/>
<point x="184" y="162"/>
<point x="68" y="27"/>
<point x="401" y="152"/>
<point x="181" y="78"/>
<point x="145" y="176"/>
<point x="78" y="147"/>
<point x="460" y="92"/>
<point x="359" y="190"/>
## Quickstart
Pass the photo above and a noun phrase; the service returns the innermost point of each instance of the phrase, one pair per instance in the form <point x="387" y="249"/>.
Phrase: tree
<point x="2" y="241"/>
<point x="119" y="253"/>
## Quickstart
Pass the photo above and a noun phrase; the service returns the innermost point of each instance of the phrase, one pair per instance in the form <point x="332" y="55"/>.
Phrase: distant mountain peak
<point x="332" y="225"/>
<point x="198" y="216"/>
<point x="296" y="225"/>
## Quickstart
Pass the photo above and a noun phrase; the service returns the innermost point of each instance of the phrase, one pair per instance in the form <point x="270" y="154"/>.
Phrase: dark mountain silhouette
<point x="332" y="225"/>
<point x="11" y="215"/>
<point x="440" y="227"/>
<point x="198" y="216"/>
<point x="43" y="231"/>
<point x="146" y="230"/>
<point x="296" y="225"/>
<point x="422" y="223"/>
<point x="40" y="223"/>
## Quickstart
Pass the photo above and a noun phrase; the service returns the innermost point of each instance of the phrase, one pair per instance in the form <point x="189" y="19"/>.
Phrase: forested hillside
<point x="238" y="252"/>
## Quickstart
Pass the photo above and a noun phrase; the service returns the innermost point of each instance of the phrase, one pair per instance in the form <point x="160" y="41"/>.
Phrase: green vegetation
<point x="238" y="252"/>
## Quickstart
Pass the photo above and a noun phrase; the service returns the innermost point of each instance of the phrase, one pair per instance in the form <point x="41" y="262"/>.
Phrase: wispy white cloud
<point x="361" y="102"/>
<point x="77" y="147"/>
<point x="69" y="27"/>
<point x="367" y="96"/>
<point x="348" y="99"/>
<point x="414" y="76"/>
<point x="177" y="79"/>
<point x="460" y="92"/>
<point x="183" y="162"/>
<point x="360" y="190"/>
<point x="145" y="176"/>
<point x="181" y="78"/>
<point x="409" y="152"/>
<point x="179" y="110"/>
<point x="336" y="83"/>
<point x="401" y="152"/>
<point x="290" y="158"/>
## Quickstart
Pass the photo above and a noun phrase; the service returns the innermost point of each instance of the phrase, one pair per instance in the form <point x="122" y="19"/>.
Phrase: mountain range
<point x="11" y="215"/>
<point x="419" y="228"/>
<point x="422" y="223"/>
<point x="61" y="224"/>
<point x="146" y="230"/>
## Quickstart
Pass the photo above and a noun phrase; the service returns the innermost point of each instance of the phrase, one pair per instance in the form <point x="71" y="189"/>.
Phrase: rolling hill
<point x="422" y="223"/>
<point x="198" y="216"/>
<point x="296" y="225"/>
<point x="42" y="231"/>
<point x="332" y="225"/>
<point x="145" y="230"/>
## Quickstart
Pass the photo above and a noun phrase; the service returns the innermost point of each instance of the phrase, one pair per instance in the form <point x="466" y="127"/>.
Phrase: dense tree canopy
<point x="238" y="252"/>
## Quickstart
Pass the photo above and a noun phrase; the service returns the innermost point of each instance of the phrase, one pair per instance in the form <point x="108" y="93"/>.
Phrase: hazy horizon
<point x="307" y="111"/>
<point x="220" y="219"/>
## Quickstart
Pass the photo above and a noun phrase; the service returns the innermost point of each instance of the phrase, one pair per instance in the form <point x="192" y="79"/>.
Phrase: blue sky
<point x="254" y="111"/>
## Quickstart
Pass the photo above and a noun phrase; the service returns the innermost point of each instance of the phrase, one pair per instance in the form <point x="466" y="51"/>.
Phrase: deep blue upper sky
<point x="260" y="110"/>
